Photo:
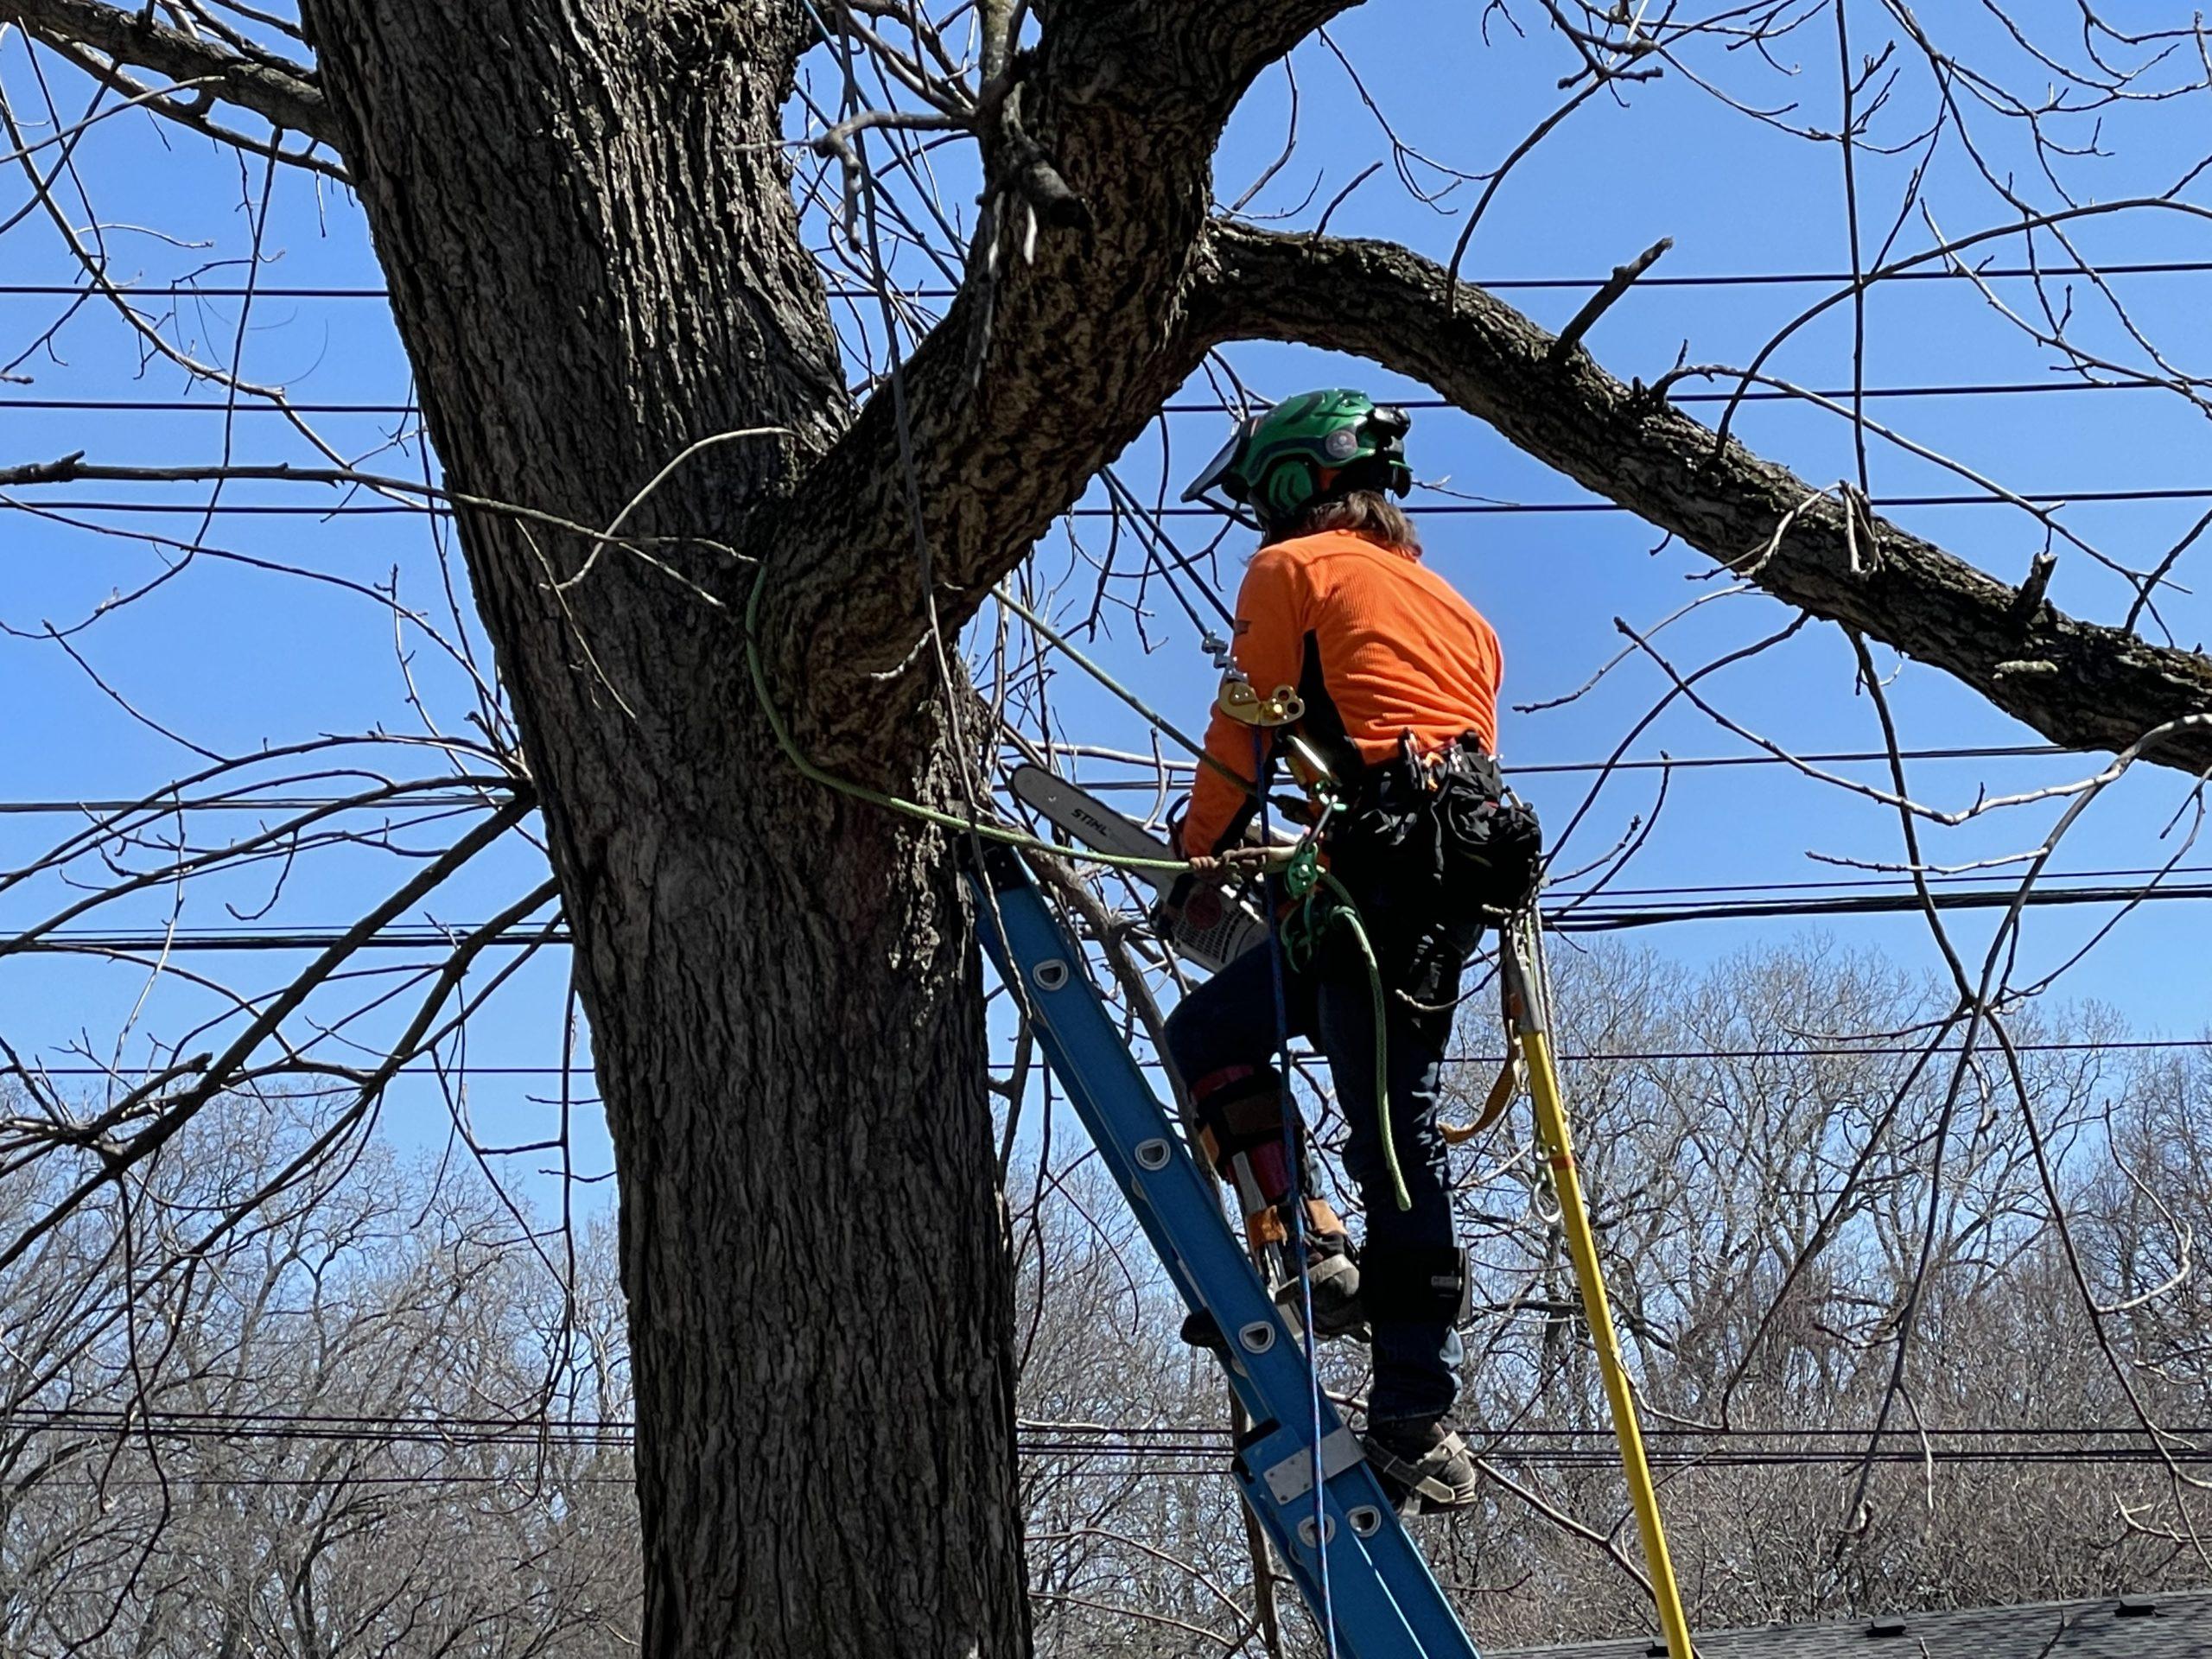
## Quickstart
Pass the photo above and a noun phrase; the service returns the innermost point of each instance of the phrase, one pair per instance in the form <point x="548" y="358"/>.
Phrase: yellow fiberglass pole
<point x="1530" y="1024"/>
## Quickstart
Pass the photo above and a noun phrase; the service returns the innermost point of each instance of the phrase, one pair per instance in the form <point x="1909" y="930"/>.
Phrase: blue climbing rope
<point x="1294" y="1160"/>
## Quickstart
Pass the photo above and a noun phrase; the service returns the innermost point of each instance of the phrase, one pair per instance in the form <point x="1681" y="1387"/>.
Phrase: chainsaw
<point x="1219" y="921"/>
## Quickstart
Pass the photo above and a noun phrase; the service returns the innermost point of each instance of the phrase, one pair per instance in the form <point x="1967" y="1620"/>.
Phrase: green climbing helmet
<point x="1307" y="448"/>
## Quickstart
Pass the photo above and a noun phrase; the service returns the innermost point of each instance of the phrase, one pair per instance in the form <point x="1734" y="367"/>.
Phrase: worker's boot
<point x="1331" y="1279"/>
<point x="1423" y="1466"/>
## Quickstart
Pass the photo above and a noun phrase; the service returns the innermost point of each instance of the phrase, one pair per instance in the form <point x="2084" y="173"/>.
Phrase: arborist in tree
<point x="1397" y="676"/>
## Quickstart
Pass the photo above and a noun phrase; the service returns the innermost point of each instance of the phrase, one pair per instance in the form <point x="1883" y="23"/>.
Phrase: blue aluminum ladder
<point x="1387" y="1605"/>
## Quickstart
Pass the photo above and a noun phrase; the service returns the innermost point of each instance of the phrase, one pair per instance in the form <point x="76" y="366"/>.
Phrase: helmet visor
<point x="1221" y="470"/>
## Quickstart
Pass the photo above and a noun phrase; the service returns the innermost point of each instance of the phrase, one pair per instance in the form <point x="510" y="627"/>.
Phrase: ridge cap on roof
<point x="2084" y="1603"/>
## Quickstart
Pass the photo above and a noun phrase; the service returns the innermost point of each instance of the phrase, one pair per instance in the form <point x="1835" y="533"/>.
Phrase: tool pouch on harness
<point x="1448" y="816"/>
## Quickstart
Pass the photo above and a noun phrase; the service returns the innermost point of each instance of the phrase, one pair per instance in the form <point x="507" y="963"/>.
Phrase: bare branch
<point x="2105" y="687"/>
<point x="288" y="97"/>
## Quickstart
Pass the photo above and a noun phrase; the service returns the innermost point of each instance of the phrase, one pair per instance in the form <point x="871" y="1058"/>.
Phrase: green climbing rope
<point x="1303" y="934"/>
<point x="1001" y="833"/>
<point x="1303" y="878"/>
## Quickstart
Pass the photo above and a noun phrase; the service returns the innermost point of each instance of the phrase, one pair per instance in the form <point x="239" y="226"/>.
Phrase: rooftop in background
<point x="2178" y="1625"/>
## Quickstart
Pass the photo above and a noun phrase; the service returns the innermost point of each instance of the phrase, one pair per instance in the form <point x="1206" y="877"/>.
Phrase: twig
<point x="1597" y="304"/>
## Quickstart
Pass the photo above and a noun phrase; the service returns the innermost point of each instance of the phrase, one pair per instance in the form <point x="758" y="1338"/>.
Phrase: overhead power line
<point x="1190" y="1437"/>
<point x="1935" y="879"/>
<point x="1500" y="284"/>
<point x="1814" y="1051"/>
<point x="1845" y="756"/>
<point x="2048" y="882"/>
<point x="1589" y="918"/>
<point x="1650" y="763"/>
<point x="1191" y="1449"/>
<point x="1862" y="1050"/>
<point x="524" y="1482"/>
<point x="1606" y="920"/>
<point x="1756" y="395"/>
<point x="1835" y="394"/>
<point x="1474" y="509"/>
<point x="1434" y="508"/>
<point x="391" y="806"/>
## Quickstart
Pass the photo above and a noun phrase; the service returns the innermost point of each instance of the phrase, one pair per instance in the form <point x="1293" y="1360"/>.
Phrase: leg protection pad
<point x="1412" y="1286"/>
<point x="1239" y="1110"/>
<point x="1325" y="1239"/>
<point x="1240" y="1115"/>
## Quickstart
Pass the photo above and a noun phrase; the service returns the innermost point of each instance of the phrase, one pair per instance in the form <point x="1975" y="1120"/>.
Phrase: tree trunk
<point x="594" y="263"/>
<point x="813" y="1264"/>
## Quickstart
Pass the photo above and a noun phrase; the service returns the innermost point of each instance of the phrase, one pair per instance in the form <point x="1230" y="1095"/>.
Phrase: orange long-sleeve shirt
<point x="1390" y="644"/>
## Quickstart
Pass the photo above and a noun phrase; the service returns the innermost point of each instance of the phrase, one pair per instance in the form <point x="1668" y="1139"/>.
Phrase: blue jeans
<point x="1231" y="1020"/>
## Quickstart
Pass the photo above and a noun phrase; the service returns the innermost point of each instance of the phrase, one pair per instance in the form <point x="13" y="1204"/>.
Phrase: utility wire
<point x="1152" y="1443"/>
<point x="1150" y="1438"/>
<point x="1586" y="920"/>
<point x="1823" y="1050"/>
<point x="1658" y="763"/>
<point x="1652" y="763"/>
<point x="1502" y="284"/>
<point x="1438" y="509"/>
<point x="1756" y="395"/>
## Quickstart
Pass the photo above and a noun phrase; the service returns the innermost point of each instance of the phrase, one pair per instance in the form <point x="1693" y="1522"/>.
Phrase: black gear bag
<point x="1450" y="816"/>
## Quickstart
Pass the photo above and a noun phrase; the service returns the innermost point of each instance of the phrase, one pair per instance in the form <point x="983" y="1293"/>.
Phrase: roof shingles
<point x="2176" y="1626"/>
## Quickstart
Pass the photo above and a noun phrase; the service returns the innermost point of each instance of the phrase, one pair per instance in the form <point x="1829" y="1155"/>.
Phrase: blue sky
<point x="235" y="657"/>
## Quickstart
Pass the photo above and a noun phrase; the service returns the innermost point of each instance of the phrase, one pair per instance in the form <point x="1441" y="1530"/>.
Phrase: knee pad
<point x="1325" y="1238"/>
<point x="1415" y="1285"/>
<point x="1239" y="1110"/>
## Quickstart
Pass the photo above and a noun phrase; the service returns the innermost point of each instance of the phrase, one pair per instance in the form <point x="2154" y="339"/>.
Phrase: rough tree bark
<point x="595" y="261"/>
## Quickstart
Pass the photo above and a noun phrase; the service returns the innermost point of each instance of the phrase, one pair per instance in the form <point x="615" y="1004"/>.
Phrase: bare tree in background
<point x="1715" y="1148"/>
<point x="327" y="1436"/>
<point x="372" y="1426"/>
<point x="700" y="553"/>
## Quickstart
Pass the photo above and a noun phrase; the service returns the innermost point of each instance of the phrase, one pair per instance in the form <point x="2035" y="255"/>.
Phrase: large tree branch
<point x="1043" y="371"/>
<point x="2080" y="683"/>
<point x="285" y="98"/>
